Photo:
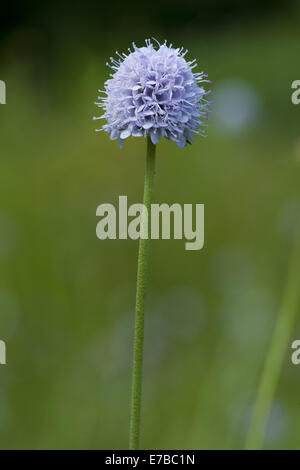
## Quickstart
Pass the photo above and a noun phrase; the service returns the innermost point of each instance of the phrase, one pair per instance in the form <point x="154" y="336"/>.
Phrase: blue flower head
<point x="154" y="91"/>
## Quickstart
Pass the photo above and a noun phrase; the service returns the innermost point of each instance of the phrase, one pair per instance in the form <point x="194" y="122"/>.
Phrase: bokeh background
<point x="67" y="298"/>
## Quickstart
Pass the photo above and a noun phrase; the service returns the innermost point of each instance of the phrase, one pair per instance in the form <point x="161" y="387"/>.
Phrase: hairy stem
<point x="142" y="271"/>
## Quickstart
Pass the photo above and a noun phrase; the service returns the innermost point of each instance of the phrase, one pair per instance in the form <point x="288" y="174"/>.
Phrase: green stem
<point x="142" y="271"/>
<point x="276" y="354"/>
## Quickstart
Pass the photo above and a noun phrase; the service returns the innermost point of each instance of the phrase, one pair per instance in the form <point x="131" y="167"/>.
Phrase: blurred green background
<point x="67" y="298"/>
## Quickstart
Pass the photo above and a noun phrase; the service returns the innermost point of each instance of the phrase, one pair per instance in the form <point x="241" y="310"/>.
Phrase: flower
<point x="153" y="91"/>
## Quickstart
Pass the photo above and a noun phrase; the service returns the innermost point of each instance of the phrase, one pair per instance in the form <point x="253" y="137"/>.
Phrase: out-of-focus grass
<point x="67" y="299"/>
